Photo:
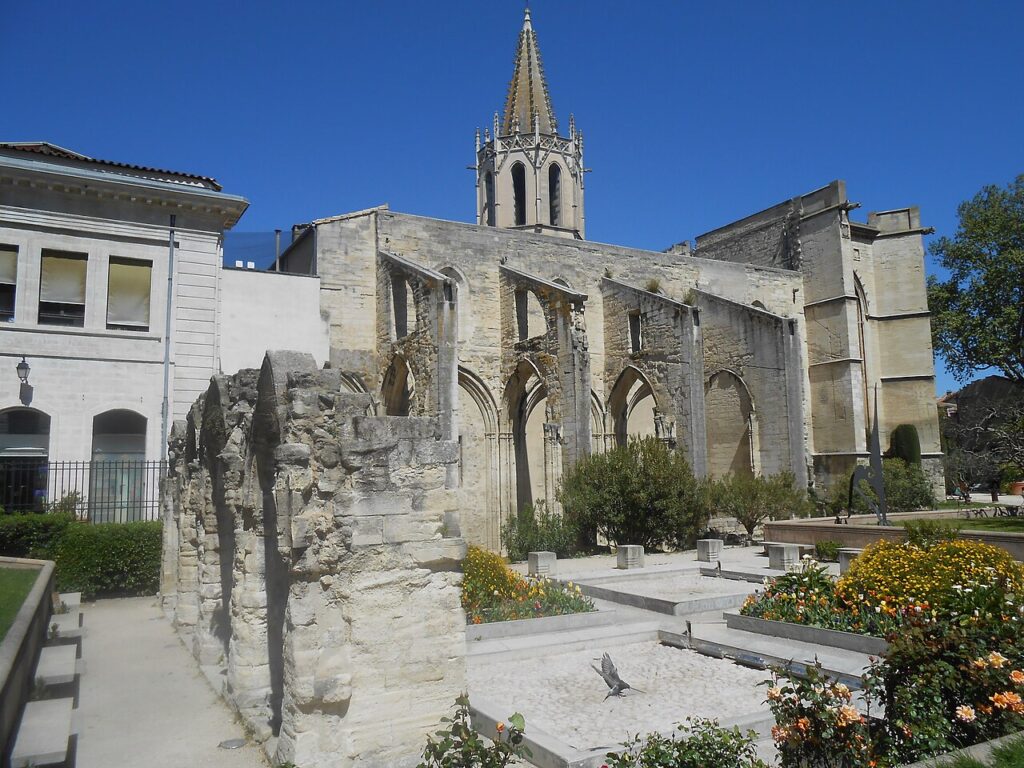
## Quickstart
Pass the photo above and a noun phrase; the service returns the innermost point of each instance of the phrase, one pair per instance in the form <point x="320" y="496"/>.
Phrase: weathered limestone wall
<point x="311" y="556"/>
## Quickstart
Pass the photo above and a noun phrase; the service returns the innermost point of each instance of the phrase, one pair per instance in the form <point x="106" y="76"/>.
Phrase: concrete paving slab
<point x="144" y="701"/>
<point x="56" y="665"/>
<point x="43" y="734"/>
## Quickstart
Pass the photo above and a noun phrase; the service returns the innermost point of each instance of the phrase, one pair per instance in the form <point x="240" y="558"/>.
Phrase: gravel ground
<point x="677" y="586"/>
<point x="563" y="696"/>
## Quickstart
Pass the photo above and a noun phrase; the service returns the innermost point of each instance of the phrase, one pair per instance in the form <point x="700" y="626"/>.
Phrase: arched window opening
<point x="730" y="425"/>
<point x="24" y="448"/>
<point x="529" y="315"/>
<point x="862" y="349"/>
<point x="632" y="406"/>
<point x="636" y="332"/>
<point x="489" y="199"/>
<point x="403" y="307"/>
<point x="117" y="477"/>
<point x="555" y="194"/>
<point x="399" y="388"/>
<point x="519" y="193"/>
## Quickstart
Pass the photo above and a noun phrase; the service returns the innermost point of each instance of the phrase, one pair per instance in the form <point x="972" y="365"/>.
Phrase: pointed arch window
<point x="555" y="194"/>
<point x="519" y="193"/>
<point x="489" y="199"/>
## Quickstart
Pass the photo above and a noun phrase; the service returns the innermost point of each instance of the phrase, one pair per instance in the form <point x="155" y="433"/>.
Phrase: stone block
<point x="382" y="503"/>
<point x="709" y="550"/>
<point x="630" y="556"/>
<point x="782" y="556"/>
<point x="367" y="531"/>
<point x="542" y="563"/>
<point x="846" y="557"/>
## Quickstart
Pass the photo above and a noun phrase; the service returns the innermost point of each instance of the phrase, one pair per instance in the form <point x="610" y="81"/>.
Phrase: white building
<point x="112" y="345"/>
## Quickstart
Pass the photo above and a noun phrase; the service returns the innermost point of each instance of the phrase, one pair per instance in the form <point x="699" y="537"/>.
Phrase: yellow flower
<point x="965" y="713"/>
<point x="997" y="659"/>
<point x="1017" y="676"/>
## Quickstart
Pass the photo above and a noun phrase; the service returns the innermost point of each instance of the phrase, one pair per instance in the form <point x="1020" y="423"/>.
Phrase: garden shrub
<point x="640" y="493"/>
<point x="701" y="744"/>
<point x="816" y="723"/>
<point x="827" y="551"/>
<point x="896" y="576"/>
<point x="752" y="500"/>
<point x="905" y="444"/>
<point x="906" y="489"/>
<point x="491" y="591"/>
<point x="109" y="559"/>
<point x="32" y="534"/>
<point x="459" y="746"/>
<point x="535" y="529"/>
<point x="928" y="533"/>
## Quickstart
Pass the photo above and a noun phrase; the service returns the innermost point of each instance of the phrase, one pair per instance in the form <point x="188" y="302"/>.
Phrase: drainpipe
<point x="165" y="409"/>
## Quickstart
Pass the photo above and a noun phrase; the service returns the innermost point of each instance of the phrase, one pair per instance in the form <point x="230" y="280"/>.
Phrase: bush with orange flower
<point x="491" y="591"/>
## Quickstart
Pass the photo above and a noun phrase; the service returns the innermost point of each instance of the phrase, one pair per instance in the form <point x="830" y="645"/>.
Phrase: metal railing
<point x="97" y="491"/>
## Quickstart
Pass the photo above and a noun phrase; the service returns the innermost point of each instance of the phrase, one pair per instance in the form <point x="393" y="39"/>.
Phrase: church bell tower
<point x="528" y="176"/>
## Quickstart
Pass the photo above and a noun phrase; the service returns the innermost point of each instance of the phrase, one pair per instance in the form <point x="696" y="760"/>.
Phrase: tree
<point x="987" y="436"/>
<point x="640" y="493"/>
<point x="978" y="312"/>
<point x="752" y="500"/>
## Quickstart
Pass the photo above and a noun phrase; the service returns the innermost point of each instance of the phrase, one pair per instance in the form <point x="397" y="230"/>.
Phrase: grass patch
<point x="15" y="584"/>
<point x="954" y="504"/>
<point x="1008" y="755"/>
<point x="1004" y="524"/>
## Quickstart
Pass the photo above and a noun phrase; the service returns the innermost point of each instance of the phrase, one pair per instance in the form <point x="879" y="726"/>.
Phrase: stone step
<point x="69" y="625"/>
<point x="57" y="665"/>
<point x="43" y="734"/>
<point x="562" y="642"/>
<point x="72" y="600"/>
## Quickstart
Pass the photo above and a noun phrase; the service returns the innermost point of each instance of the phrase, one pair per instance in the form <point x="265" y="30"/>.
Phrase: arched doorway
<point x="477" y="424"/>
<point x="24" y="452"/>
<point x="526" y="404"/>
<point x="118" y="489"/>
<point x="632" y="406"/>
<point x="730" y="425"/>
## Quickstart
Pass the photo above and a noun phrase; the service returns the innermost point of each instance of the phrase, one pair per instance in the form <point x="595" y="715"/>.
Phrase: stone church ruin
<point x="315" y="516"/>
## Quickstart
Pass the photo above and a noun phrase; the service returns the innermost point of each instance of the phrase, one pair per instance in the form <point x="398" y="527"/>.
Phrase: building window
<point x="636" y="337"/>
<point x="62" y="288"/>
<point x="519" y="193"/>
<point x="555" y="194"/>
<point x="489" y="197"/>
<point x="8" y="282"/>
<point x="128" y="288"/>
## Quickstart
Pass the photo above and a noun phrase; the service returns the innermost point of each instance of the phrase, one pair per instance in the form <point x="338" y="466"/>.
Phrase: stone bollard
<point x="846" y="556"/>
<point x="541" y="563"/>
<point x="630" y="556"/>
<point x="709" y="550"/>
<point x="781" y="556"/>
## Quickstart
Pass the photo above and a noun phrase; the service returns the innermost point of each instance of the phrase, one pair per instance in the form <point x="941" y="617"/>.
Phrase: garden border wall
<point x="849" y="641"/>
<point x="20" y="648"/>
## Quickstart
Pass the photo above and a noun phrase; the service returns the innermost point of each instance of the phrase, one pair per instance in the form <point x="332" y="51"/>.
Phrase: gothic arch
<point x="477" y="422"/>
<point x="462" y="303"/>
<point x="597" y="424"/>
<point x="519" y="194"/>
<point x="555" y="195"/>
<point x="632" y="405"/>
<point x="525" y="406"/>
<point x="731" y="424"/>
<point x="398" y="388"/>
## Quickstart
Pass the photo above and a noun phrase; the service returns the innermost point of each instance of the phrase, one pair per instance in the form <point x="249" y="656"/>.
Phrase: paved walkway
<point x="143" y="700"/>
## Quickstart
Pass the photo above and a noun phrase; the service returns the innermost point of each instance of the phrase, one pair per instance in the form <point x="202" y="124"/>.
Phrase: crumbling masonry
<point x="310" y="558"/>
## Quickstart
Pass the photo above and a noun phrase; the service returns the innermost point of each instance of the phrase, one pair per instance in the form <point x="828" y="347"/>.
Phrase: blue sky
<point x="694" y="114"/>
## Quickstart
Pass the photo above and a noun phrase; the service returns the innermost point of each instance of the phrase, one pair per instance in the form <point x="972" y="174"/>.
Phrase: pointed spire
<point x="528" y="90"/>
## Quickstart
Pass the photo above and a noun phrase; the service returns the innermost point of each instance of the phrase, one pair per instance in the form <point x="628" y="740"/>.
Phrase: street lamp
<point x="23" y="370"/>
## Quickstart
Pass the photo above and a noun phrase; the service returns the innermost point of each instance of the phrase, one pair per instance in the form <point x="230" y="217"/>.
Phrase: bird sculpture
<point x="610" y="675"/>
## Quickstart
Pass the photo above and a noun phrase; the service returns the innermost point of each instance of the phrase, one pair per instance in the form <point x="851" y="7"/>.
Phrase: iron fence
<point x="98" y="491"/>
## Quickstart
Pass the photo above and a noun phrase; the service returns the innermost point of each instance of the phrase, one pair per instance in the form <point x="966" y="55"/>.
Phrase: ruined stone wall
<point x="761" y="351"/>
<point x="311" y="557"/>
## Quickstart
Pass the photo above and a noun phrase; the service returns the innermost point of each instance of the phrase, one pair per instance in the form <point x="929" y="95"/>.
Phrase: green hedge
<point x="32" y="534"/>
<point x="109" y="559"/>
<point x="96" y="560"/>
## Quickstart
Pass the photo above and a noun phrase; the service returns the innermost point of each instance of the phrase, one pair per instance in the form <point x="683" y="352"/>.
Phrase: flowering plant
<point x="701" y="743"/>
<point x="459" y="746"/>
<point x="816" y="723"/>
<point x="491" y="591"/>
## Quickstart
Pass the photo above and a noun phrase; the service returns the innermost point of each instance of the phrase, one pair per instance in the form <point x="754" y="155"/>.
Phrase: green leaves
<point x="459" y="746"/>
<point x="978" y="312"/>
